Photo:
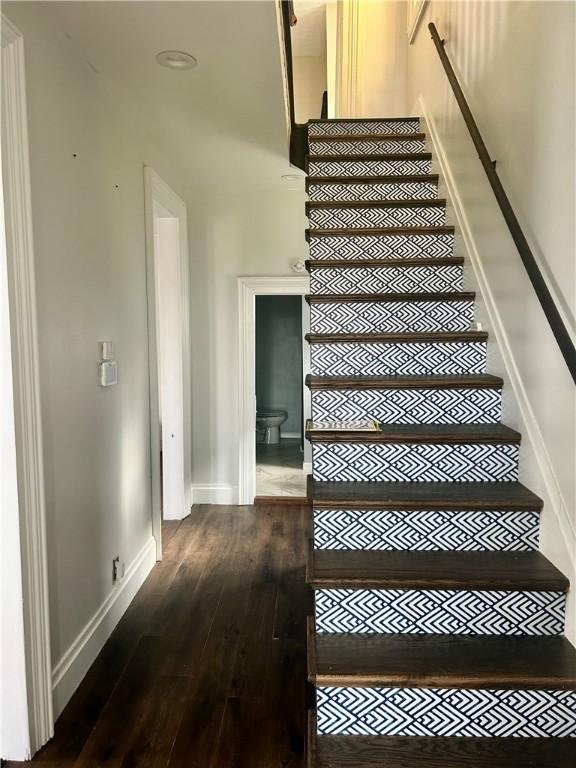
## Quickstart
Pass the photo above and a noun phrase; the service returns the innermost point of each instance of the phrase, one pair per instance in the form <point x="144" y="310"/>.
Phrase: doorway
<point x="279" y="432"/>
<point x="286" y="462"/>
<point x="169" y="352"/>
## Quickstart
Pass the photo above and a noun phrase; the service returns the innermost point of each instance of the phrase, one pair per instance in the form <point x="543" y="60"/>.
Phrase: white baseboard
<point x="292" y="435"/>
<point x="77" y="660"/>
<point x="529" y="423"/>
<point x="307" y="467"/>
<point x="214" y="493"/>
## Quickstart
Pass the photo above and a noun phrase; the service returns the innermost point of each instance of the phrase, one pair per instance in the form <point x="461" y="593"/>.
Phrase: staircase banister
<point x="298" y="132"/>
<point x="561" y="334"/>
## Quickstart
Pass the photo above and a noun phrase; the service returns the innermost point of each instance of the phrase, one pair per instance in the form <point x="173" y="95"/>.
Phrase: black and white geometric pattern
<point x="467" y="530"/>
<point x="367" y="146"/>
<point x="391" y="316"/>
<point x="440" y="611"/>
<point x="397" y="359"/>
<point x="370" y="149"/>
<point x="436" y="245"/>
<point x="398" y="190"/>
<point x="437" y="278"/>
<point x="446" y="712"/>
<point x="366" y="218"/>
<point x="381" y="167"/>
<point x="408" y="406"/>
<point x="415" y="462"/>
<point x="349" y="127"/>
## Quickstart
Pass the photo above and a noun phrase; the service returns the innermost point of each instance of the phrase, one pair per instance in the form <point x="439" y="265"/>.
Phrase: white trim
<point x="156" y="190"/>
<point x="79" y="657"/>
<point x="530" y="424"/>
<point x="347" y="25"/>
<point x="215" y="493"/>
<point x="415" y="12"/>
<point x="22" y="288"/>
<point x="291" y="435"/>
<point x="307" y="467"/>
<point x="248" y="289"/>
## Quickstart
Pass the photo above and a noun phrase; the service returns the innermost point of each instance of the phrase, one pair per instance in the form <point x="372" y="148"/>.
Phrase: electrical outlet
<point x="115" y="569"/>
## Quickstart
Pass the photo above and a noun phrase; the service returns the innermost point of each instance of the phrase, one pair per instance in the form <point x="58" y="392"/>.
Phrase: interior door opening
<point x="168" y="308"/>
<point x="170" y="386"/>
<point x="280" y="397"/>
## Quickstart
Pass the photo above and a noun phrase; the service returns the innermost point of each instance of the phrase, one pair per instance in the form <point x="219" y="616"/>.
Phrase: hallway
<point x="207" y="667"/>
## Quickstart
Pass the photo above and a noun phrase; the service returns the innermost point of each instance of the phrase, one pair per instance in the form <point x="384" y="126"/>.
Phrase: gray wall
<point x="279" y="357"/>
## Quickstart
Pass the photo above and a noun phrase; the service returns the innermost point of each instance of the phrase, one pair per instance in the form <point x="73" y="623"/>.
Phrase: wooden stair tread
<point x="373" y="569"/>
<point x="421" y="433"/>
<point x="321" y="120"/>
<point x="346" y="298"/>
<point x="441" y="661"/>
<point x="382" y="156"/>
<point x="442" y="752"/>
<point x="416" y="136"/>
<point x="385" y="495"/>
<point x="430" y="230"/>
<point x="396" y="338"/>
<point x="406" y="203"/>
<point x="393" y="263"/>
<point x="391" y="178"/>
<point x="464" y="381"/>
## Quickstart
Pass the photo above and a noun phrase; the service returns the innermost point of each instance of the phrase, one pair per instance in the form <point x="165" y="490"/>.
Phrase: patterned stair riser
<point x="415" y="462"/>
<point x="349" y="127"/>
<point x="439" y="611"/>
<point x="405" y="359"/>
<point x="388" y="246"/>
<point x="410" y="711"/>
<point x="385" y="167"/>
<point x="408" y="406"/>
<point x="437" y="278"/>
<point x="446" y="712"/>
<point x="400" y="190"/>
<point x="426" y="530"/>
<point x="366" y="146"/>
<point x="391" y="316"/>
<point x="370" y="218"/>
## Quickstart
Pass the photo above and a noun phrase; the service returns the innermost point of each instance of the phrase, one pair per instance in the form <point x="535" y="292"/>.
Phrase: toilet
<point x="268" y="423"/>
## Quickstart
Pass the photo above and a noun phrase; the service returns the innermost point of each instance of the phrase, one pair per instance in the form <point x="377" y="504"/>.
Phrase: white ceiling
<point x="309" y="34"/>
<point x="222" y="122"/>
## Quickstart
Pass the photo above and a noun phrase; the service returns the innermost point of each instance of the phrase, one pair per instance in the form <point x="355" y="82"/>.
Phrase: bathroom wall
<point x="279" y="357"/>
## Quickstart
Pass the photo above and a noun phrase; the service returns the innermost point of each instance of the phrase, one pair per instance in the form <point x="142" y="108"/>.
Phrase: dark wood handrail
<point x="298" y="133"/>
<point x="287" y="13"/>
<point x="324" y="110"/>
<point x="554" y="318"/>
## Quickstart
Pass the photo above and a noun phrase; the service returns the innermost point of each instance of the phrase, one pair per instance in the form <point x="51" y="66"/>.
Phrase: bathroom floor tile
<point x="279" y="469"/>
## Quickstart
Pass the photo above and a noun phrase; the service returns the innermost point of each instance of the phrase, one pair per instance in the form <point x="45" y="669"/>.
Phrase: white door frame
<point x="26" y="389"/>
<point x="248" y="289"/>
<point x="157" y="191"/>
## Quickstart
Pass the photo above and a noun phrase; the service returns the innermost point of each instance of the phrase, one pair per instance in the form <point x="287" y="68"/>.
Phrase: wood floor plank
<point x="212" y="647"/>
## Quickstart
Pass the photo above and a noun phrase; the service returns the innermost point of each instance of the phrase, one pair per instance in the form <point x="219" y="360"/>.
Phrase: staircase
<point x="437" y="631"/>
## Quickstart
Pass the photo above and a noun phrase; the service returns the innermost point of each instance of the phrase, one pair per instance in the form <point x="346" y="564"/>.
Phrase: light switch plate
<point x="106" y="350"/>
<point x="108" y="373"/>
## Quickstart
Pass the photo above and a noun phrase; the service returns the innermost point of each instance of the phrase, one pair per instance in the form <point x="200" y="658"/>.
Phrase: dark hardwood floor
<point x="207" y="667"/>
